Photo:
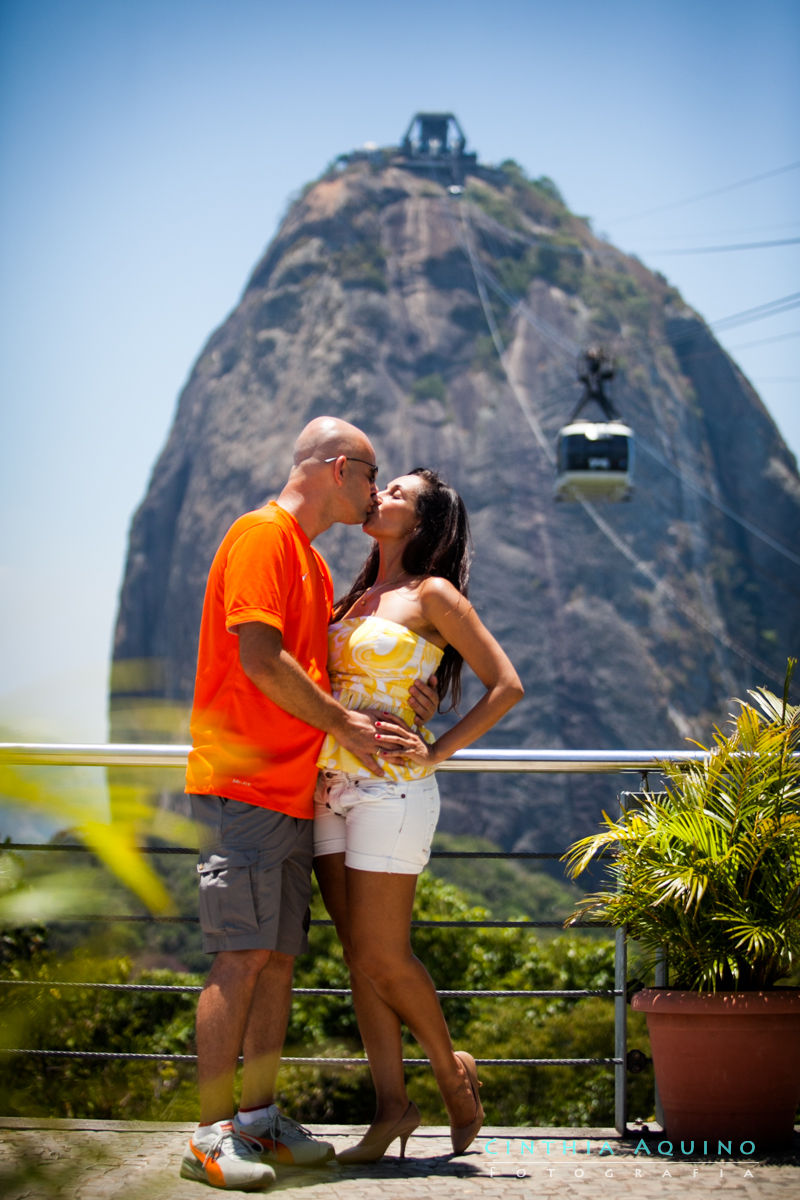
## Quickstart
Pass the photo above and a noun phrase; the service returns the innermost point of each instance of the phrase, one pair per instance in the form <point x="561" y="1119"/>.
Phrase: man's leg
<point x="281" y="1139"/>
<point x="217" y="1153"/>
<point x="223" y="1013"/>
<point x="265" y="1031"/>
<point x="244" y="1006"/>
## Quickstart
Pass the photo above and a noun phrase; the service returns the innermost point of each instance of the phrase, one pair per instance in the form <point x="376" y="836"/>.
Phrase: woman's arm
<point x="455" y="620"/>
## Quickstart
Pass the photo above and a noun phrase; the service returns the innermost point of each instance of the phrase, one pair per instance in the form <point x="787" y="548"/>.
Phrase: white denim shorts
<point x="378" y="824"/>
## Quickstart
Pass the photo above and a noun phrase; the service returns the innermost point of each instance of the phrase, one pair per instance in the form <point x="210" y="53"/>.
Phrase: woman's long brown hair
<point x="440" y="546"/>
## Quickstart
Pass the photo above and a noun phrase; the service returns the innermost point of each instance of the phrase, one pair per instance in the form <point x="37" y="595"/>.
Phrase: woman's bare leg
<point x="378" y="1024"/>
<point x="379" y="907"/>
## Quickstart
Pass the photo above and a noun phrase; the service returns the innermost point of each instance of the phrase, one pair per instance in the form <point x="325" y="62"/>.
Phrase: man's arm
<point x="282" y="680"/>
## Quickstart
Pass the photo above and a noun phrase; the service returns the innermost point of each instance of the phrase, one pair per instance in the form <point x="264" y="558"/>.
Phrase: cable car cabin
<point x="595" y="461"/>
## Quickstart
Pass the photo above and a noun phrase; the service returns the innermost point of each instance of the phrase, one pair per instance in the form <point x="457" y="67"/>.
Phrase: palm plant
<point x="708" y="872"/>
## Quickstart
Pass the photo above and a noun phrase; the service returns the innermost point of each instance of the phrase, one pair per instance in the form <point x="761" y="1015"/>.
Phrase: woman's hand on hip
<point x="400" y="745"/>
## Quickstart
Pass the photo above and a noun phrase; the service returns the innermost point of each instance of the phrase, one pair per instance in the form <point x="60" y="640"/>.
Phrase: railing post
<point x="620" y="1030"/>
<point x="620" y="1019"/>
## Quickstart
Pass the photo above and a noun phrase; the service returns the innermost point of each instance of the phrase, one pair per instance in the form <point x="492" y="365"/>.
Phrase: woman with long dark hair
<point x="406" y="617"/>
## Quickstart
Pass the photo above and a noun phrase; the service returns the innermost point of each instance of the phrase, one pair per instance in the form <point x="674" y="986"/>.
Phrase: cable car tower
<point x="435" y="144"/>
<point x="595" y="458"/>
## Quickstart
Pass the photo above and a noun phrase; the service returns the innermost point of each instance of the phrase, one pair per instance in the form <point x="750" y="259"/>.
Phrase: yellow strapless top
<point x="372" y="663"/>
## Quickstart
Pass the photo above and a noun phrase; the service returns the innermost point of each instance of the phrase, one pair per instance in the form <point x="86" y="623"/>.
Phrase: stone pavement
<point x="109" y="1160"/>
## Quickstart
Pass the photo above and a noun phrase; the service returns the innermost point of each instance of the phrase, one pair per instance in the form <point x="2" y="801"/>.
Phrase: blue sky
<point x="148" y="152"/>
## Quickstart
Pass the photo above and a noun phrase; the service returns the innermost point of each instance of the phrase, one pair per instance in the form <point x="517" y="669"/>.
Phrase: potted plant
<point x="707" y="875"/>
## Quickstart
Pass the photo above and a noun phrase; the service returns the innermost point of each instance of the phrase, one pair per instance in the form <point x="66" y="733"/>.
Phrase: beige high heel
<point x="464" y="1135"/>
<point x="374" y="1145"/>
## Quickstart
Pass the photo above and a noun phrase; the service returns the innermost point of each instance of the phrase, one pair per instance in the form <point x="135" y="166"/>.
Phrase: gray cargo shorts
<point x="254" y="873"/>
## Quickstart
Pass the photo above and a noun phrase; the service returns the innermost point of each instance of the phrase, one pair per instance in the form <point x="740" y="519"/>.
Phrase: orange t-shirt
<point x="244" y="746"/>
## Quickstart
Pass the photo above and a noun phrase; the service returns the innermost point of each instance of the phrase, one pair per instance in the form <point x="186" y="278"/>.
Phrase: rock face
<point x="447" y="323"/>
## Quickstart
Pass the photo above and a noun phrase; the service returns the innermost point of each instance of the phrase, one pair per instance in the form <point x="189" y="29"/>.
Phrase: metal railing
<point x="135" y="754"/>
<point x="535" y="761"/>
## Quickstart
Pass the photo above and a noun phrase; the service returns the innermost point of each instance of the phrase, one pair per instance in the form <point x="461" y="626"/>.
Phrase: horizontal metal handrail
<point x="163" y="755"/>
<point x="294" y="1060"/>
<point x="438" y="923"/>
<point x="148" y="849"/>
<point x="449" y="993"/>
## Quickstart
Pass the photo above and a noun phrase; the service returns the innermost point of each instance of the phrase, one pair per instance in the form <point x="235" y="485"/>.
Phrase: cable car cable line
<point x="770" y="309"/>
<point x="517" y="305"/>
<point x="780" y="337"/>
<point x="564" y="344"/>
<point x="750" y="231"/>
<point x="686" y="478"/>
<point x="660" y="586"/>
<point x="730" y="187"/>
<point x="726" y="249"/>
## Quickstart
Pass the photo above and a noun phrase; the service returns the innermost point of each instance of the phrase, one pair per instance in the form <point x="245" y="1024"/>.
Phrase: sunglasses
<point x="373" y="468"/>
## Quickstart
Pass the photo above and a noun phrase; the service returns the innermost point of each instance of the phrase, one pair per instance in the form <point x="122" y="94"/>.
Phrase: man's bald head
<point x="328" y="437"/>
<point x="332" y="477"/>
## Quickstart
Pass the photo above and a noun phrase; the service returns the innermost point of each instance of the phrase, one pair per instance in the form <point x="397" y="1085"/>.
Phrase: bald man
<point x="262" y="705"/>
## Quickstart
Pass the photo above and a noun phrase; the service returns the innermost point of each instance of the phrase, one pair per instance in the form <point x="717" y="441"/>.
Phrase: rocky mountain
<point x="443" y="306"/>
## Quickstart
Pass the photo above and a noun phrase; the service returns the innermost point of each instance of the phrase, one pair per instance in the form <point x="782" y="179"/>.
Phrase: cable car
<point x="594" y="461"/>
<point x="595" y="458"/>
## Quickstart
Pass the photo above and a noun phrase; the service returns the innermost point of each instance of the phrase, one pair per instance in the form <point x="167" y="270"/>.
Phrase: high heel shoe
<point x="464" y="1135"/>
<point x="374" y="1145"/>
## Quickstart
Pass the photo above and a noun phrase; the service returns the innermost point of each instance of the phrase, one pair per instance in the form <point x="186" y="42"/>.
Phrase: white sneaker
<point x="225" y="1158"/>
<point x="282" y="1140"/>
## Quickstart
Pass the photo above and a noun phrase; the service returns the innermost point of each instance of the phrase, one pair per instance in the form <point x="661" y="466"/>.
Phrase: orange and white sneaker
<point x="283" y="1141"/>
<point x="223" y="1157"/>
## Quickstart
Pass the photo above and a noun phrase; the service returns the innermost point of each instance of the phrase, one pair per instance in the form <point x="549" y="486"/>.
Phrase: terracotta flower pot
<point x="727" y="1064"/>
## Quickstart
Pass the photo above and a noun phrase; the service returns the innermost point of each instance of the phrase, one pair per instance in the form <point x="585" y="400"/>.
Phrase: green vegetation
<point x="46" y="1005"/>
<point x="558" y="261"/>
<point x="538" y="199"/>
<point x="57" y="1016"/>
<point x="616" y="300"/>
<point x="523" y="206"/>
<point x="362" y="265"/>
<point x="486" y="358"/>
<point x="107" y="875"/>
<point x="517" y="274"/>
<point x="429" y="387"/>
<point x="708" y="872"/>
<point x="496" y="204"/>
<point x="507" y="888"/>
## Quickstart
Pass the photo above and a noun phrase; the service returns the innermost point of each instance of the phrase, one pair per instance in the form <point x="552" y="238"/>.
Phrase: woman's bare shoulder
<point x="438" y="595"/>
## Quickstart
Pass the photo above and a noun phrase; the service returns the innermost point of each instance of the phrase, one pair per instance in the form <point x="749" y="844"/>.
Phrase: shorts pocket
<point x="227" y="894"/>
